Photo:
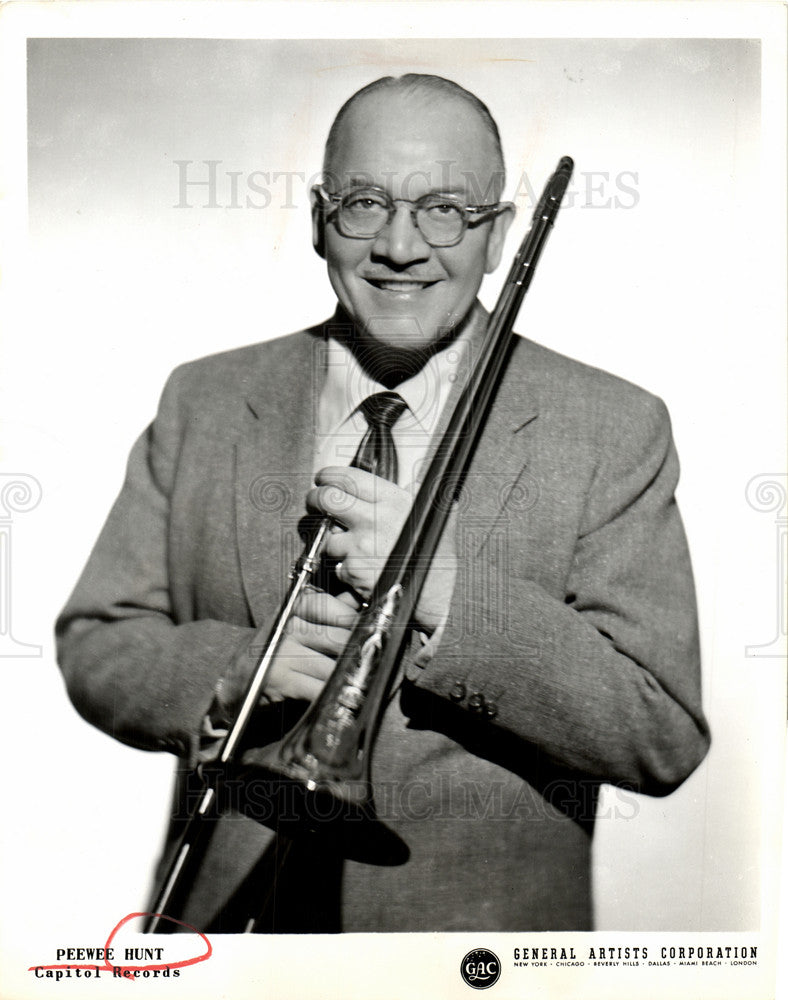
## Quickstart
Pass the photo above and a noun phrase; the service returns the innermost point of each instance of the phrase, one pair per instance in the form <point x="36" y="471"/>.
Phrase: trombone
<point x="327" y="753"/>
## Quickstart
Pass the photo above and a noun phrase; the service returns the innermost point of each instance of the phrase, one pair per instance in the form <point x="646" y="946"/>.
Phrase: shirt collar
<point x="347" y="385"/>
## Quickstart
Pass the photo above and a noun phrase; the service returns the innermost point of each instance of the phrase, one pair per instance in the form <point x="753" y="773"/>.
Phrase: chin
<point x="402" y="333"/>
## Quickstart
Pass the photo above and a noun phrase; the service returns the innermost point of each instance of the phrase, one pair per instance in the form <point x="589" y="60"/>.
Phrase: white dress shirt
<point x="341" y="425"/>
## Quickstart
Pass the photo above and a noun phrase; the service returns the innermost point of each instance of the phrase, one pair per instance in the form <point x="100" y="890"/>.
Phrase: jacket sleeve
<point x="603" y="679"/>
<point x="129" y="668"/>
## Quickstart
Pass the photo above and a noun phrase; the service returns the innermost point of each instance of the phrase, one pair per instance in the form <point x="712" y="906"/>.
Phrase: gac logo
<point x="481" y="969"/>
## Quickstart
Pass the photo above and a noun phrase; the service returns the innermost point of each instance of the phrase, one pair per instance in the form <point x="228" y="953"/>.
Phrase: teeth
<point x="400" y="286"/>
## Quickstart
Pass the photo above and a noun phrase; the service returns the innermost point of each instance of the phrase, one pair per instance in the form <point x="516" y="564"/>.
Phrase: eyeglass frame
<point x="331" y="204"/>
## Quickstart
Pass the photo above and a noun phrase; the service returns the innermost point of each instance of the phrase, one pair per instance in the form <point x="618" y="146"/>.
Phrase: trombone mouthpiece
<point x="559" y="182"/>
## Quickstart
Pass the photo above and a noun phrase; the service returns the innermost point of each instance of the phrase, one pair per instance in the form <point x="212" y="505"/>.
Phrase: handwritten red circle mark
<point x="166" y="965"/>
<point x="139" y="968"/>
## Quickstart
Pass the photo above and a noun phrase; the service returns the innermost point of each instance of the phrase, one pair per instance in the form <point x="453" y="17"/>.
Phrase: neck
<point x="386" y="364"/>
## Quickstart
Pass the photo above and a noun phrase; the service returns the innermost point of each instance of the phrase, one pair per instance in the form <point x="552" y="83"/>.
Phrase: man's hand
<point x="316" y="634"/>
<point x="369" y="513"/>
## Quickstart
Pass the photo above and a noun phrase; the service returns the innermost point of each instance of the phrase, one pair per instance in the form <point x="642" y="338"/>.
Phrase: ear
<point x="318" y="229"/>
<point x="500" y="228"/>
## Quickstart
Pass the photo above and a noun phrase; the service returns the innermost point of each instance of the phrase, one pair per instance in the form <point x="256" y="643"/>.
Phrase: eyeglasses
<point x="363" y="213"/>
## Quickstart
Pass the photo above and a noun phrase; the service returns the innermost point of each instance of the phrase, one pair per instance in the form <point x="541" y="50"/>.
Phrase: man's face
<point x="399" y="290"/>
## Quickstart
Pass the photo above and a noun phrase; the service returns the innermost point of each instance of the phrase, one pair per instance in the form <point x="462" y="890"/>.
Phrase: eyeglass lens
<point x="366" y="213"/>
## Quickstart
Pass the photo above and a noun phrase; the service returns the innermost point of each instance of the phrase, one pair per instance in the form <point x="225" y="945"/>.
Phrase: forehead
<point x="411" y="143"/>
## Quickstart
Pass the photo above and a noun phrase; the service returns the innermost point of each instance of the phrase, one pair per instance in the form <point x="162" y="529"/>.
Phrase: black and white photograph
<point x="393" y="499"/>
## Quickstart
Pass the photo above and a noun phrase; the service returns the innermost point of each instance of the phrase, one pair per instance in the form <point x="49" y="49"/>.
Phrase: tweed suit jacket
<point x="570" y="657"/>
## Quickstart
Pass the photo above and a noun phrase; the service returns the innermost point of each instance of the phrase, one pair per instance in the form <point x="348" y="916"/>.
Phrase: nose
<point x="400" y="242"/>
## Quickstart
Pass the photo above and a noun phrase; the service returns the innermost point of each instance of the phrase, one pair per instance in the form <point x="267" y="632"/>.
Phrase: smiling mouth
<point x="400" y="285"/>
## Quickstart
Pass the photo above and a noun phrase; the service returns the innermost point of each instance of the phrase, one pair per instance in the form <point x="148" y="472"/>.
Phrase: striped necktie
<point x="377" y="453"/>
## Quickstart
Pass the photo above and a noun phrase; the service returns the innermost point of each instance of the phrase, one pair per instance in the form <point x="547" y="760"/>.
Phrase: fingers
<point x="343" y="507"/>
<point x="325" y="639"/>
<point x="350" y="599"/>
<point x="324" y="609"/>
<point x="323" y="622"/>
<point x="358" y="555"/>
<point x="370" y="511"/>
<point x="345" y="493"/>
<point x="297" y="672"/>
<point x="294" y="684"/>
<point x="316" y="635"/>
<point x="355" y="482"/>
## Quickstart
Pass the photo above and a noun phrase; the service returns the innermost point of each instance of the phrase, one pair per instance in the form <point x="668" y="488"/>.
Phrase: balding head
<point x="415" y="101"/>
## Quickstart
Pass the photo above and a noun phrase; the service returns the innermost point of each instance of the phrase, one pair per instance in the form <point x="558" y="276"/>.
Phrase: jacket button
<point x="458" y="692"/>
<point x="491" y="710"/>
<point x="476" y="703"/>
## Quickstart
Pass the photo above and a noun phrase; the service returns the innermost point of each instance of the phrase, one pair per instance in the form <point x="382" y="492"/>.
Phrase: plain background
<point x="132" y="285"/>
<point x="669" y="288"/>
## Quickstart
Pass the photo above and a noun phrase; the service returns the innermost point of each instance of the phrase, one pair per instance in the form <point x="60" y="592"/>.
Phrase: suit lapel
<point x="274" y="459"/>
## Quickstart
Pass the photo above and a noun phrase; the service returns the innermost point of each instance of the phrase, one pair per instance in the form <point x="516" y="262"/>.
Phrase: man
<point x="554" y="646"/>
